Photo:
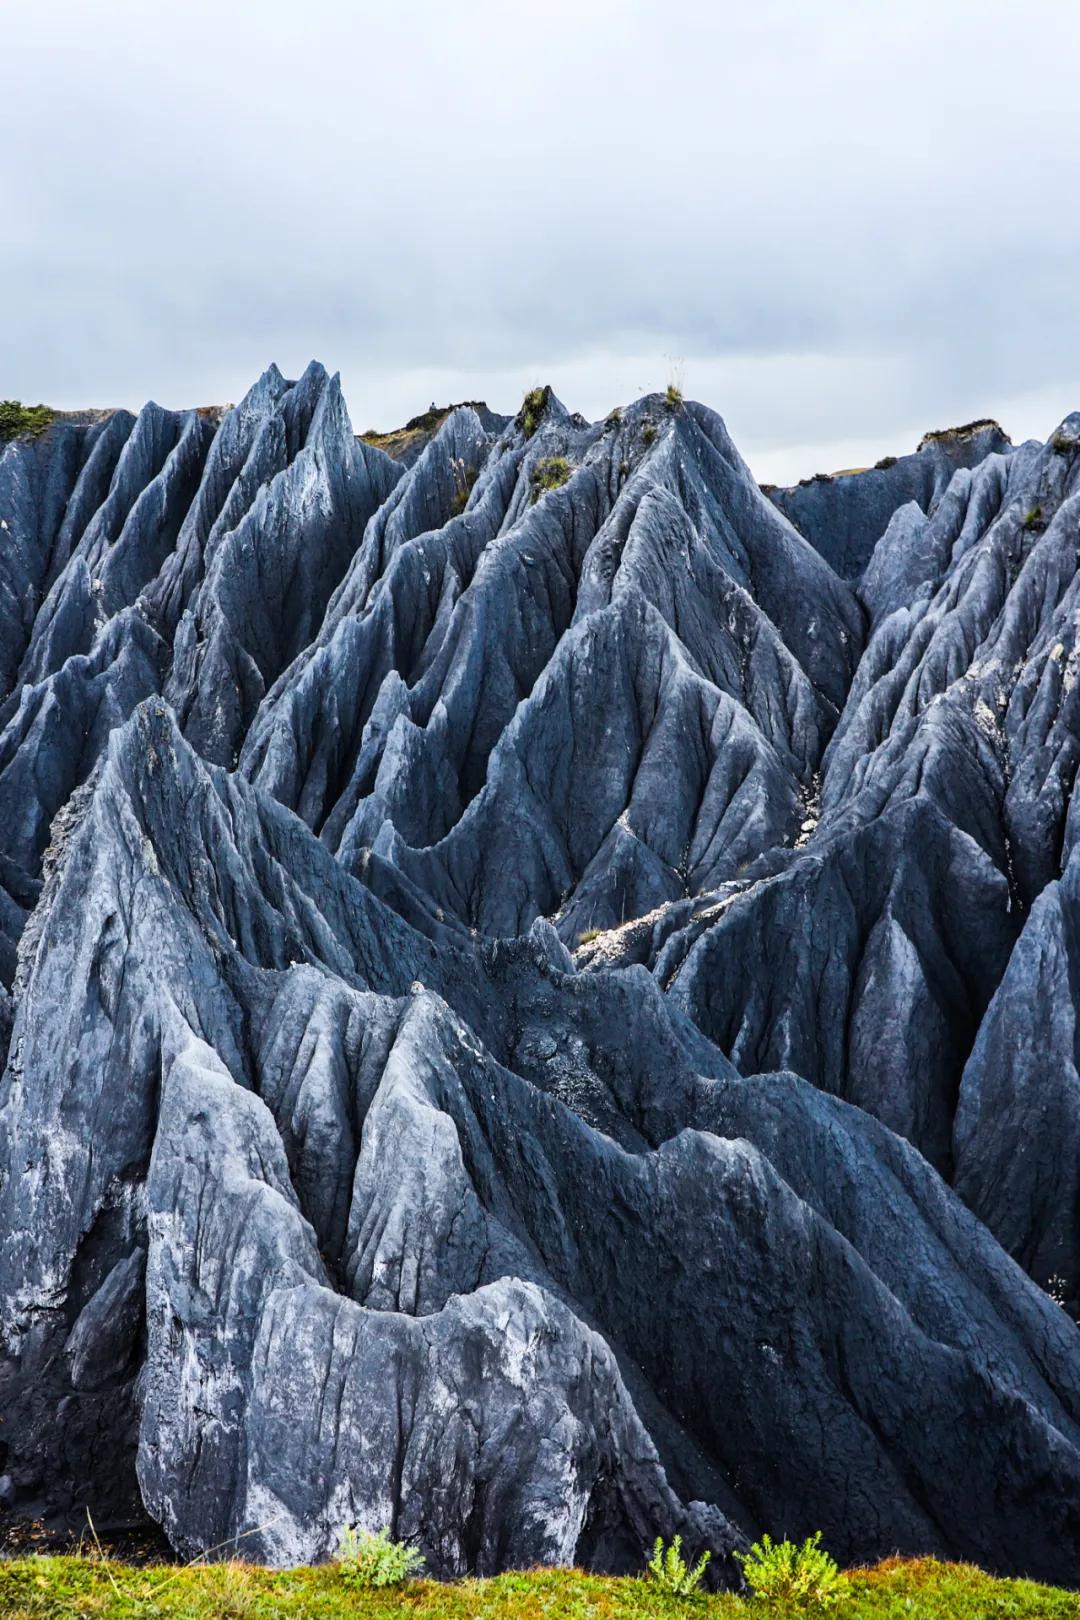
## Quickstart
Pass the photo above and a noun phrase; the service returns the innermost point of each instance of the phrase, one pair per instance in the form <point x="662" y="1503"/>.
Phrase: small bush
<point x="885" y="463"/>
<point x="1033" y="519"/>
<point x="669" y="1569"/>
<point x="532" y="408"/>
<point x="783" y="1572"/>
<point x="366" y="1560"/>
<point x="19" y="421"/>
<point x="551" y="472"/>
<point x="1062" y="444"/>
<point x="648" y="433"/>
<point x="673" y="396"/>
<point x="588" y="935"/>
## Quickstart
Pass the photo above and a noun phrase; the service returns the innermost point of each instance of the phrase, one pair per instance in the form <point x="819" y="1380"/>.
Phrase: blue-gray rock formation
<point x="540" y="987"/>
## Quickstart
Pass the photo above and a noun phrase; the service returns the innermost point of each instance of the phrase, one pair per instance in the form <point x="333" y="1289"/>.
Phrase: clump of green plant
<point x="1062" y="444"/>
<point x="588" y="935"/>
<point x="613" y="417"/>
<point x="18" y="421"/>
<point x="648" y="433"/>
<point x="673" y="396"/>
<point x="464" y="478"/>
<point x="369" y="1560"/>
<point x="784" y="1572"/>
<point x="1033" y="518"/>
<point x="669" y="1569"/>
<point x="532" y="408"/>
<point x="550" y="472"/>
<point x="885" y="463"/>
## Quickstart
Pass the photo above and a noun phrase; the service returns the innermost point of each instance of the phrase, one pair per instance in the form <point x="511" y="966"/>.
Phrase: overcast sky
<point x="838" y="223"/>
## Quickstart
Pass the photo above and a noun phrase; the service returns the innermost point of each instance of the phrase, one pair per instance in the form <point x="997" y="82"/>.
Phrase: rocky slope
<point x="541" y="986"/>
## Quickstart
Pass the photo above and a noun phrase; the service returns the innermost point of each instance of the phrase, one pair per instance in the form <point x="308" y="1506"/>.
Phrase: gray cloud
<point x="846" y="222"/>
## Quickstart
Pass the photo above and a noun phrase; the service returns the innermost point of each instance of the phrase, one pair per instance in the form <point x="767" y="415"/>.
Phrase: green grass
<point x="532" y="409"/>
<point x="551" y="472"/>
<point x="19" y="421"/>
<point x="42" y="1587"/>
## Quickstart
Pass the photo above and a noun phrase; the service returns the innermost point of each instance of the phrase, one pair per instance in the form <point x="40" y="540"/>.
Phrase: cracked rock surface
<point x="539" y="1016"/>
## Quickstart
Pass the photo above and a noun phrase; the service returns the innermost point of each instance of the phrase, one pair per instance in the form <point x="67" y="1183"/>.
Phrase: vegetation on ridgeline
<point x="42" y="1588"/>
<point x="418" y="429"/>
<point x="532" y="408"/>
<point x="965" y="431"/>
<point x="19" y="421"/>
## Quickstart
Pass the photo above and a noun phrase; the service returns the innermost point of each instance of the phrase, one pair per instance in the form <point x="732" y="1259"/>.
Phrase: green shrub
<point x="532" y="408"/>
<point x="783" y="1572"/>
<point x="1033" y="519"/>
<point x="588" y="935"/>
<point x="366" y="1560"/>
<point x="669" y="1569"/>
<point x="648" y="433"/>
<point x="19" y="421"/>
<point x="1062" y="444"/>
<point x="551" y="472"/>
<point x="673" y="396"/>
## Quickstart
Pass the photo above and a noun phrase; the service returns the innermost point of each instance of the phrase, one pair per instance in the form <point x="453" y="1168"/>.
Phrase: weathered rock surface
<point x="342" y="1181"/>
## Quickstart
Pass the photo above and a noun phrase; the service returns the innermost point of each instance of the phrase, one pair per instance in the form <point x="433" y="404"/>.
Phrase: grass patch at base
<point x="35" y="1588"/>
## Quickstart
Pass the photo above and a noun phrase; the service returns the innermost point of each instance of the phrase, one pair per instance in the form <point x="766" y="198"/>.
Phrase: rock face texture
<point x="540" y="1007"/>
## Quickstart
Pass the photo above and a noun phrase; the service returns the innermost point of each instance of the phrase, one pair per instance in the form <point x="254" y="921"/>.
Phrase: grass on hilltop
<point x="417" y="430"/>
<point x="37" y="1588"/>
